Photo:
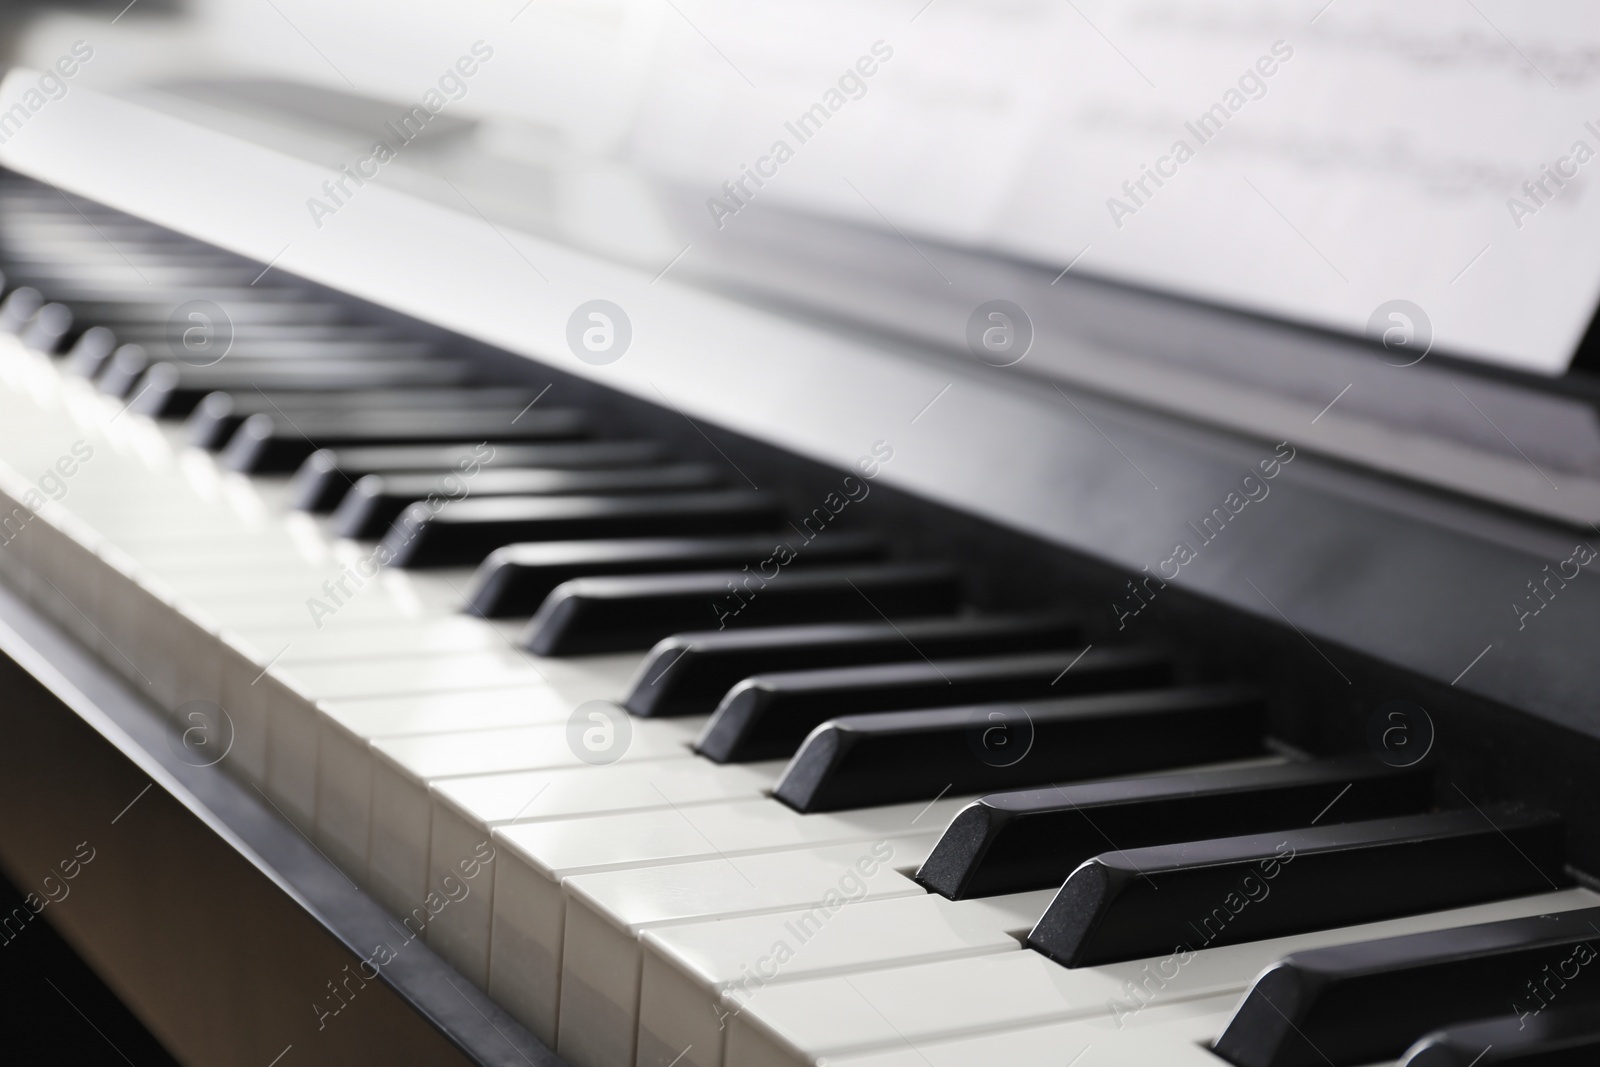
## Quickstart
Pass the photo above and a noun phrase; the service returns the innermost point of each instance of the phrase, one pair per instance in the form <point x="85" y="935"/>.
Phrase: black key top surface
<point x="465" y="532"/>
<point x="220" y="414"/>
<point x="616" y="613"/>
<point x="1368" y="1001"/>
<point x="768" y="716"/>
<point x="371" y="507"/>
<point x="171" y="390"/>
<point x="689" y="673"/>
<point x="167" y="386"/>
<point x="859" y="761"/>
<point x="275" y="443"/>
<point x="328" y="474"/>
<point x="90" y="352"/>
<point x="1558" y="1035"/>
<point x="1140" y="902"/>
<point x="515" y="579"/>
<point x="48" y="329"/>
<point x="18" y="307"/>
<point x="113" y="309"/>
<point x="1033" y="839"/>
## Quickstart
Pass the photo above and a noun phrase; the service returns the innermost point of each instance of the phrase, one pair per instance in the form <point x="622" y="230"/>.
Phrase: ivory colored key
<point x="397" y="640"/>
<point x="534" y="859"/>
<point x="526" y="958"/>
<point x="493" y="668"/>
<point x="403" y="768"/>
<point x="802" y="1022"/>
<point x="343" y="731"/>
<point x="1174" y="1035"/>
<point x="293" y="720"/>
<point x="466" y="809"/>
<point x="687" y="966"/>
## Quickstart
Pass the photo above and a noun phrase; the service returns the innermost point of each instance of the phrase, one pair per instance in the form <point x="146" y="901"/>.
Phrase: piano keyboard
<point x="528" y="681"/>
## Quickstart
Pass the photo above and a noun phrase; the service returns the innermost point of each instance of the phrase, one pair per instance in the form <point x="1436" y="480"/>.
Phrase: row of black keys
<point x="797" y="679"/>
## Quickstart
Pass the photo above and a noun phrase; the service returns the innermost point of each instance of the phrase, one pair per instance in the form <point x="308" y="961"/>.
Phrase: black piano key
<point x="688" y="673"/>
<point x="616" y="613"/>
<point x="171" y="390"/>
<point x="1032" y="839"/>
<point x="279" y="443"/>
<point x="137" y="369"/>
<point x="219" y="414"/>
<point x="377" y="500"/>
<point x="104" y="306"/>
<point x="516" y="579"/>
<point x="859" y="761"/>
<point x="328" y="474"/>
<point x="1561" y="1035"/>
<point x="1139" y="902"/>
<point x="47" y="329"/>
<point x="18" y="307"/>
<point x="464" y="532"/>
<point x="89" y="353"/>
<point x="768" y="716"/>
<point x="1370" y="1000"/>
<point x="268" y="340"/>
<point x="119" y="374"/>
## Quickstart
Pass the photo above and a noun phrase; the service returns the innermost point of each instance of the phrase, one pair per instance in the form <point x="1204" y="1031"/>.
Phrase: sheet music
<point x="1328" y="162"/>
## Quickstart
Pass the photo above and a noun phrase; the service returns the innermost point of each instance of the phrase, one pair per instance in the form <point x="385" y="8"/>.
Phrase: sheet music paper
<point x="1312" y="160"/>
<point x="1320" y="161"/>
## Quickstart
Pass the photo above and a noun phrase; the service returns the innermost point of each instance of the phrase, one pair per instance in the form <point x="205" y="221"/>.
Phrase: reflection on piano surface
<point x="698" y="735"/>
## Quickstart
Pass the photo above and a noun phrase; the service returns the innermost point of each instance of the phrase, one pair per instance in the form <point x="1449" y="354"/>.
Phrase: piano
<point x="445" y="629"/>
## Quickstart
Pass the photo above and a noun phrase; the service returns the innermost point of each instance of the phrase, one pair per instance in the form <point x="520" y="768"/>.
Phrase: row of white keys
<point x="404" y="767"/>
<point x="535" y="860"/>
<point x="687" y="966"/>
<point x="585" y="999"/>
<point x="804" y="1022"/>
<point x="232" y="573"/>
<point x="345" y="730"/>
<point x="465" y="812"/>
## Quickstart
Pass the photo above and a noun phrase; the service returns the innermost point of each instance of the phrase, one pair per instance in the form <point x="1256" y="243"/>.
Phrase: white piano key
<point x="404" y="767"/>
<point x="492" y="668"/>
<point x="534" y="859"/>
<point x="686" y="968"/>
<point x="294" y="610"/>
<point x="398" y="640"/>
<point x="466" y="809"/>
<point x="525" y="960"/>
<point x="244" y="699"/>
<point x="415" y="596"/>
<point x="346" y="729"/>
<point x="1175" y="1035"/>
<point x="828" y="1017"/>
